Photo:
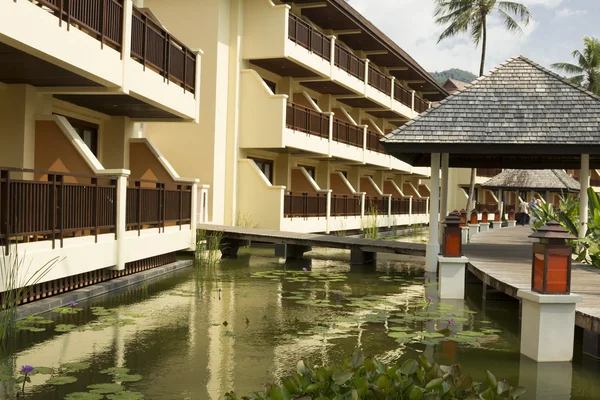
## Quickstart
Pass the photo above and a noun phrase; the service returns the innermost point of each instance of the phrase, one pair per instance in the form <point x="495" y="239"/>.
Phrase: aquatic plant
<point x="208" y="246"/>
<point x="371" y="229"/>
<point x="16" y="281"/>
<point x="245" y="221"/>
<point x="362" y="377"/>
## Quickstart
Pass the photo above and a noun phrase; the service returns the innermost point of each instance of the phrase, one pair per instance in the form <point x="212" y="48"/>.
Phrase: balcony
<point x="304" y="119"/>
<point x="344" y="205"/>
<point x="304" y="205"/>
<point x="308" y="37"/>
<point x="488" y="172"/>
<point x="155" y="77"/>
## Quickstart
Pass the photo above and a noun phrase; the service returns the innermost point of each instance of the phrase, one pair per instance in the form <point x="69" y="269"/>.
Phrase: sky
<point x="557" y="28"/>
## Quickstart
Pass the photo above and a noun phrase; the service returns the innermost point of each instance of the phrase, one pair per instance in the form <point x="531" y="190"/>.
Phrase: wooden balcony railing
<point x="488" y="172"/>
<point x="379" y="81"/>
<point x="154" y="47"/>
<point x="376" y="204"/>
<point x="402" y="94"/>
<point x="420" y="105"/>
<point x="307" y="120"/>
<point x="345" y="132"/>
<point x="102" y="19"/>
<point x="345" y="205"/>
<point x="304" y="205"/>
<point x="490" y="207"/>
<point x="419" y="206"/>
<point x="373" y="142"/>
<point x="400" y="206"/>
<point x="43" y="205"/>
<point x="352" y="64"/>
<point x="153" y="204"/>
<point x="308" y="37"/>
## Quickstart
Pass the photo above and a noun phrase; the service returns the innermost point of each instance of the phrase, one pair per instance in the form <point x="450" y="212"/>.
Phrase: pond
<point x="201" y="332"/>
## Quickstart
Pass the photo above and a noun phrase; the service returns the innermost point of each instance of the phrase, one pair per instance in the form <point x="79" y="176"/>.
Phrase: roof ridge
<point x="557" y="76"/>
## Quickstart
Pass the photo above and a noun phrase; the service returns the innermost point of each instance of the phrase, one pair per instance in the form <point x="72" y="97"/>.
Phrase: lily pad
<point x="126" y="395"/>
<point x="400" y="329"/>
<point x="463" y="339"/>
<point x="401" y="335"/>
<point x="106" y="388"/>
<point x="491" y="331"/>
<point x="128" y="378"/>
<point x="115" y="371"/>
<point x="65" y="327"/>
<point x="4" y="377"/>
<point x="75" y="366"/>
<point x="44" y="370"/>
<point x="61" y="380"/>
<point x="470" y="333"/>
<point x="67" y="310"/>
<point x="431" y="335"/>
<point x="84" y="396"/>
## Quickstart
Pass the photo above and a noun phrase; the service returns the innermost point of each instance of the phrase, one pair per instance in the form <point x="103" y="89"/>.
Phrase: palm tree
<point x="472" y="16"/>
<point x="587" y="70"/>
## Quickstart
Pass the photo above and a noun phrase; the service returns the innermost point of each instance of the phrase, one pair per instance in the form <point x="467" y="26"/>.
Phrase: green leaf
<point x="125" y="395"/>
<point x="470" y="334"/>
<point x="415" y="394"/>
<point x="106" y="388"/>
<point x="491" y="379"/>
<point x="128" y="378"/>
<point x="409" y="367"/>
<point x="61" y="380"/>
<point x="64" y="328"/>
<point x="83" y="396"/>
<point x="44" y="370"/>
<point x="503" y="387"/>
<point x="487" y="395"/>
<point x="4" y="377"/>
<point x="434" y="384"/>
<point x="341" y="377"/>
<point x="517" y="392"/>
<point x="357" y="360"/>
<point x="115" y="371"/>
<point x="75" y="366"/>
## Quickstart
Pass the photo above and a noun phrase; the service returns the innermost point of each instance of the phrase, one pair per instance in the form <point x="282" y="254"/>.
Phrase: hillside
<point x="454" y="73"/>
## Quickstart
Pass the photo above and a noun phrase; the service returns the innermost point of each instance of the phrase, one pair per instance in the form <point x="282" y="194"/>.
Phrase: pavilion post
<point x="584" y="178"/>
<point x="444" y="191"/>
<point x="501" y="203"/>
<point x="433" y="245"/>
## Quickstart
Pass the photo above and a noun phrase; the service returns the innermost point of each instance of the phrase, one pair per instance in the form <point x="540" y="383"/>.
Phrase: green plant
<point x="245" y="221"/>
<point x="416" y="230"/>
<point x="16" y="281"/>
<point x="371" y="230"/>
<point x="587" y="70"/>
<point x="342" y="229"/>
<point x="362" y="377"/>
<point x="208" y="246"/>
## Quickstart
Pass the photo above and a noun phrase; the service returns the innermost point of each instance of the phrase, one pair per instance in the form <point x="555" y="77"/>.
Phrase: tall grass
<point x="245" y="221"/>
<point x="342" y="229"/>
<point x="208" y="247"/>
<point x="417" y="230"/>
<point x="17" y="279"/>
<point x="371" y="229"/>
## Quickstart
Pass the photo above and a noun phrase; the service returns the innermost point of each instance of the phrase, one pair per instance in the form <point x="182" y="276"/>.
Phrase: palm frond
<point x="568" y="68"/>
<point x="510" y="23"/>
<point x="519" y="10"/>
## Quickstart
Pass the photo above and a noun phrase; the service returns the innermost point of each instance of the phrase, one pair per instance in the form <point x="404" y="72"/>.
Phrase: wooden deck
<point x="502" y="259"/>
<point x="317" y="240"/>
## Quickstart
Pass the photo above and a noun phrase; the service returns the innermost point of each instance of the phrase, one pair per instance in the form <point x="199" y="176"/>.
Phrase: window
<point x="271" y="85"/>
<point x="88" y="132"/>
<point x="266" y="166"/>
<point x="345" y="173"/>
<point x="311" y="170"/>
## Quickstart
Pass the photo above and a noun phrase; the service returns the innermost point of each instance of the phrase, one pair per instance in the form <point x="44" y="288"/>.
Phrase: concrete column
<point x="546" y="380"/>
<point x="121" y="222"/>
<point x="584" y="179"/>
<point x="464" y="234"/>
<point x="17" y="113"/>
<point x="444" y="191"/>
<point x="547" y="325"/>
<point x="126" y="47"/>
<point x="452" y="277"/>
<point x="433" y="245"/>
<point x="194" y="218"/>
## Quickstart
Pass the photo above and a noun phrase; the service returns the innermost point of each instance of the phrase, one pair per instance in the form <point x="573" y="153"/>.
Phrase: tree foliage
<point x="586" y="71"/>
<point x="453" y="73"/>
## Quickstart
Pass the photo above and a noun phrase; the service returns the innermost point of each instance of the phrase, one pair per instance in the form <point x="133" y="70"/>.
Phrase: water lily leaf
<point x="75" y="366"/>
<point x="409" y="367"/>
<point x="64" y="328"/>
<point x="84" y="396"/>
<point x="67" y="310"/>
<point x="126" y="395"/>
<point x="4" y="377"/>
<point x="128" y="378"/>
<point x="115" y="371"/>
<point x="462" y="339"/>
<point x="400" y="329"/>
<point x="106" y="388"/>
<point x="431" y="335"/>
<point x="61" y="380"/>
<point x="32" y="329"/>
<point x="491" y="331"/>
<point x="341" y="377"/>
<point x="470" y="333"/>
<point x="44" y="370"/>
<point x="401" y="335"/>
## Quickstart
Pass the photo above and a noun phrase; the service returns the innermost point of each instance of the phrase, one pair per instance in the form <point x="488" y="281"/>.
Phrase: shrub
<point x="367" y="378"/>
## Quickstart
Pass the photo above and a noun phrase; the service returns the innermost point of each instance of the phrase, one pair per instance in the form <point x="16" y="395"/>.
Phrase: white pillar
<point x="121" y="222"/>
<point x="451" y="284"/>
<point x="584" y="179"/>
<point x="433" y="245"/>
<point x="444" y="192"/>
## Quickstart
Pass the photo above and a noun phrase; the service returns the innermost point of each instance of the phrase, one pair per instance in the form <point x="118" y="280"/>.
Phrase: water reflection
<point x="202" y="332"/>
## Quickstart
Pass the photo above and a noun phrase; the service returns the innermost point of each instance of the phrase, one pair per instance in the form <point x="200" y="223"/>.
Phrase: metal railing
<point x="488" y="172"/>
<point x="102" y="19"/>
<point x="304" y="205"/>
<point x="400" y="206"/>
<point x="352" y="64"/>
<point x="154" y="47"/>
<point x="419" y="206"/>
<point x="373" y="142"/>
<point x="345" y="132"/>
<point x="44" y="205"/>
<point x="379" y="80"/>
<point x="307" y="120"/>
<point x="153" y="204"/>
<point x="490" y="207"/>
<point x="308" y="37"/>
<point x="420" y="105"/>
<point x="402" y="94"/>
<point x="345" y="205"/>
<point x="377" y="204"/>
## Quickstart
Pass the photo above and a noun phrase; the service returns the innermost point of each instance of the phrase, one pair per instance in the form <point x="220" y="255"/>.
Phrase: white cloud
<point x="568" y="12"/>
<point x="545" y="3"/>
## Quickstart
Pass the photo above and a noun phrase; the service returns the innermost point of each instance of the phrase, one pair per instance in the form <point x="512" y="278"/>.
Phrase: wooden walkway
<point x="317" y="240"/>
<point x="502" y="259"/>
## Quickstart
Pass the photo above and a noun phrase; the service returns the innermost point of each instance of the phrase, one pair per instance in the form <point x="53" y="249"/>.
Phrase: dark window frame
<point x="80" y="126"/>
<point x="312" y="171"/>
<point x="261" y="163"/>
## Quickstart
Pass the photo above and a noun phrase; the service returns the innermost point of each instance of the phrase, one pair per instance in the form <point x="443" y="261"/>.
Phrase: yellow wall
<point x="17" y="126"/>
<point x="144" y="165"/>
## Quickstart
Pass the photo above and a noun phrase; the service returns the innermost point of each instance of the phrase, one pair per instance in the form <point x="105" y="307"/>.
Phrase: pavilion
<point x="518" y="116"/>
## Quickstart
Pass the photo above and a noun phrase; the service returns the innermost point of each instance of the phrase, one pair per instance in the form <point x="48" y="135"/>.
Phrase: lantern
<point x="474" y="217"/>
<point x="497" y="215"/>
<point x="484" y="215"/>
<point x="511" y="215"/>
<point x="452" y="236"/>
<point x="551" y="265"/>
<point x="463" y="217"/>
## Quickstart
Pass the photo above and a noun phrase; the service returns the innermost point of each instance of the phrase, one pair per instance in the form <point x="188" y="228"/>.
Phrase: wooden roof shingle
<point x="527" y="179"/>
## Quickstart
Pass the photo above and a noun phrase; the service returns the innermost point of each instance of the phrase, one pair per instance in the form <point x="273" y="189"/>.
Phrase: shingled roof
<point x="527" y="179"/>
<point x="520" y="115"/>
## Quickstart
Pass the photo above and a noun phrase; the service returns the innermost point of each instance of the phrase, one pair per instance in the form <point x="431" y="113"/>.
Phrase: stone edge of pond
<point x="98" y="289"/>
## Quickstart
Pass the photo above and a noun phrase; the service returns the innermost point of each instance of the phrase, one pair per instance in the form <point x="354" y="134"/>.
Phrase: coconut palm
<point x="472" y="16"/>
<point x="587" y="70"/>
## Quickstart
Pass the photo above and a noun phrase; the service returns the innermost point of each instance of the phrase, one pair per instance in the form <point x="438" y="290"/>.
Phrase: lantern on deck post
<point x="474" y="217"/>
<point x="452" y="246"/>
<point x="511" y="215"/>
<point x="484" y="215"/>
<point x="551" y="264"/>
<point x="497" y="215"/>
<point x="463" y="217"/>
